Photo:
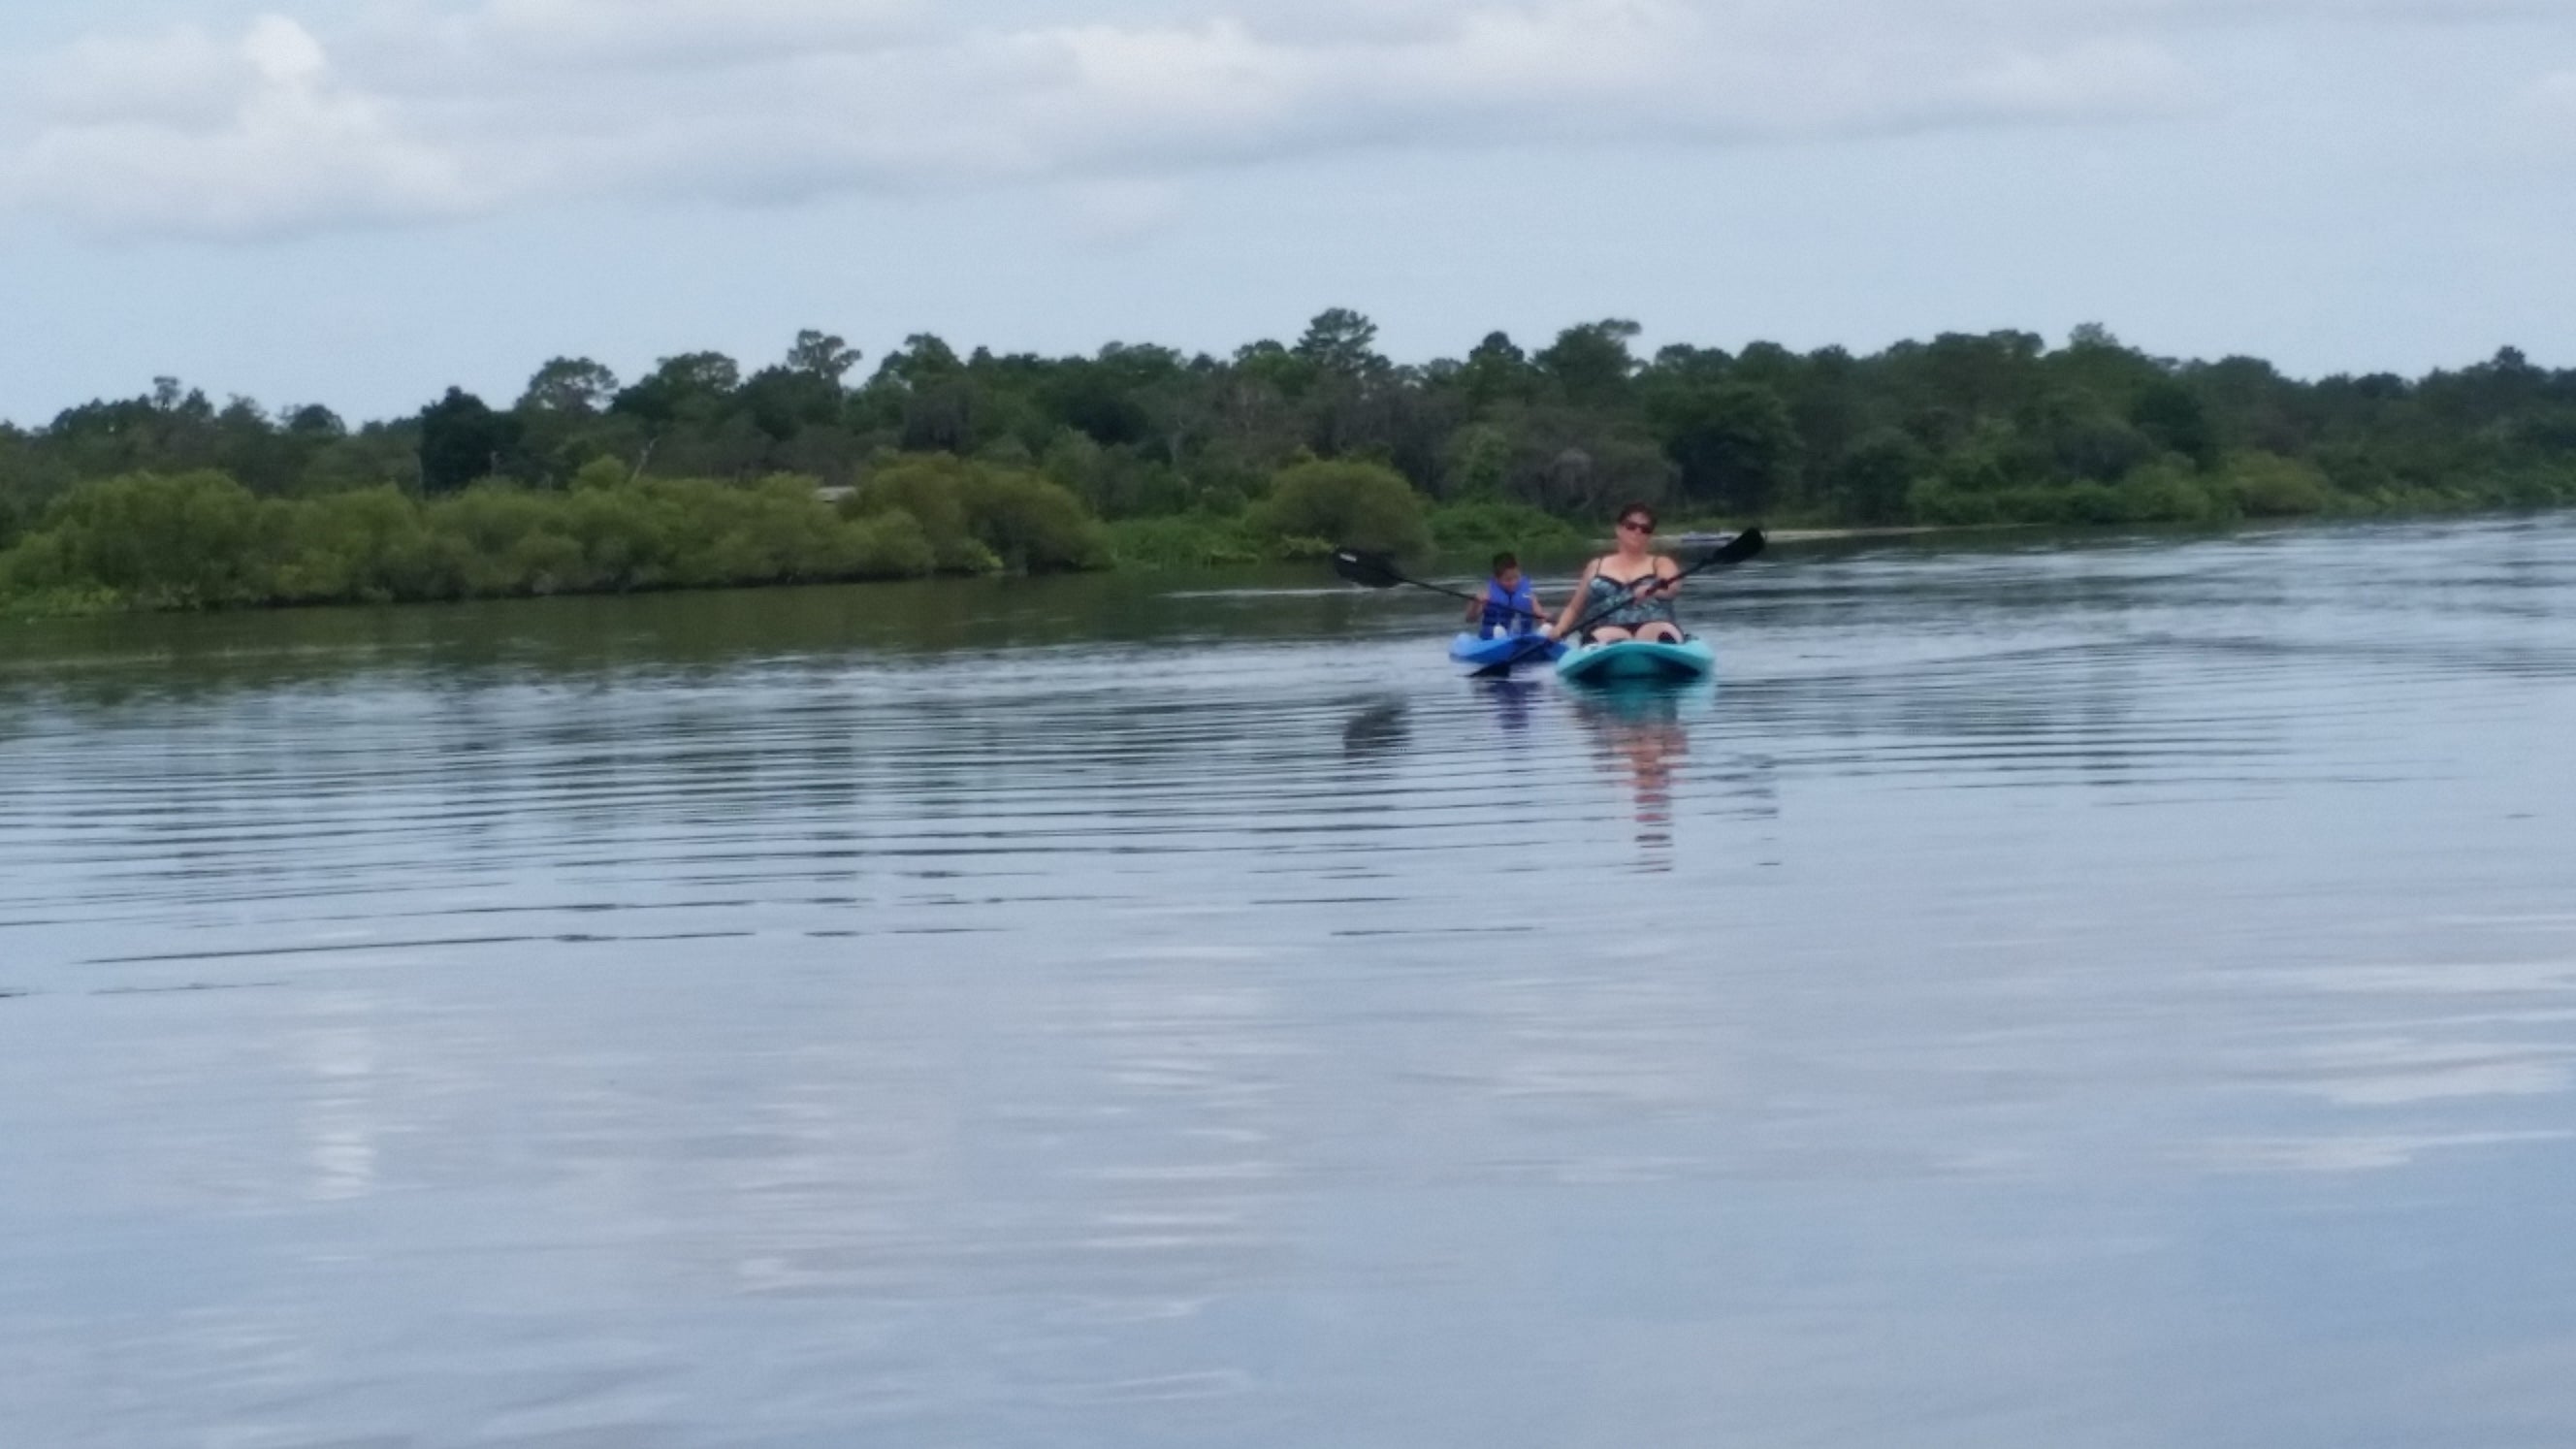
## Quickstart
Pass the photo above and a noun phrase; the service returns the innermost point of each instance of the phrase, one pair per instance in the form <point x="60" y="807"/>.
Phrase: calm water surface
<point x="2118" y="994"/>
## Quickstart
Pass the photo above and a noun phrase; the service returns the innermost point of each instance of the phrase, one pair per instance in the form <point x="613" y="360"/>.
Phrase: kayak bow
<point x="1638" y="661"/>
<point x="1477" y="652"/>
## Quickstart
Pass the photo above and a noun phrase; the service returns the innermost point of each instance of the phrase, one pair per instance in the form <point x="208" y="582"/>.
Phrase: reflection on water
<point x="1638" y="732"/>
<point x="1512" y="701"/>
<point x="2121" y="993"/>
<point x="1378" y="729"/>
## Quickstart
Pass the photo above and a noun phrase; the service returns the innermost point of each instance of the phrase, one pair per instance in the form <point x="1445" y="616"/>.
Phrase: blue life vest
<point x="1512" y="611"/>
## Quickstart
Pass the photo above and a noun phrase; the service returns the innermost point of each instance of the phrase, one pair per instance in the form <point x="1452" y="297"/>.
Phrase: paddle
<point x="1737" y="549"/>
<point x="1376" y="571"/>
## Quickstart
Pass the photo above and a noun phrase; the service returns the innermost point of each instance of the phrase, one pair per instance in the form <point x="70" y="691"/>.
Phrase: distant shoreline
<point x="708" y="473"/>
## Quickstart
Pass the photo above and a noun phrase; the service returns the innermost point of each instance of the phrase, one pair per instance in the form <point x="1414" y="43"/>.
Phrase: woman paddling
<point x="1627" y="594"/>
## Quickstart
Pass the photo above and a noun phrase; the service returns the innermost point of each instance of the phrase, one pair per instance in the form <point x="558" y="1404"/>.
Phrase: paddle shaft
<point x="1375" y="568"/>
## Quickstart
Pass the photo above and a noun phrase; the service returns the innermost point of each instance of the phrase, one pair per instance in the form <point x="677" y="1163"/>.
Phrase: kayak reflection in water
<point x="1378" y="729"/>
<point x="1627" y="594"/>
<point x="1643" y="732"/>
<point x="1511" y="701"/>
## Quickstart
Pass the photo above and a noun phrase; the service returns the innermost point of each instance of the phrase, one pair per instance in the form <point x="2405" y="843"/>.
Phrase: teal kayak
<point x="1635" y="661"/>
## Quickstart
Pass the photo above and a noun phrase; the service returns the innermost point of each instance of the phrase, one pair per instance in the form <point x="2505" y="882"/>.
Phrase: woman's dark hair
<point x="1637" y="510"/>
<point x="1504" y="561"/>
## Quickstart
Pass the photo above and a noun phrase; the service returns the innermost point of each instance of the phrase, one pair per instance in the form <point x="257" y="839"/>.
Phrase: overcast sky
<point x="359" y="202"/>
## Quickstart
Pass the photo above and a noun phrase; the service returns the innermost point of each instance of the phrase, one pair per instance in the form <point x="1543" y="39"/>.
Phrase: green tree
<point x="313" y="422"/>
<point x="1591" y="363"/>
<point x="823" y="357"/>
<point x="784" y="401"/>
<point x="1734" y="442"/>
<point x="461" y="440"/>
<point x="575" y="386"/>
<point x="1497" y="371"/>
<point x="2173" y="416"/>
<point x="694" y="388"/>
<point x="924" y="358"/>
<point x="1872" y="482"/>
<point x="1341" y="341"/>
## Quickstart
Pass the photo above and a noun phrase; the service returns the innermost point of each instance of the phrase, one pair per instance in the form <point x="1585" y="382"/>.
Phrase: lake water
<point x="2115" y="993"/>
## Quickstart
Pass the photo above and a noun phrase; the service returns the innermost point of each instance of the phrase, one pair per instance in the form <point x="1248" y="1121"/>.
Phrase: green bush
<point x="2531" y="487"/>
<point x="1489" y="528"/>
<point x="887" y="546"/>
<point x="1948" y="505"/>
<point x="980" y="518"/>
<point x="1036" y="526"/>
<point x="200" y="541"/>
<point x="492" y="539"/>
<point x="190" y="541"/>
<point x="601" y="473"/>
<point x="697" y="534"/>
<point x="933" y="490"/>
<point x="631" y="535"/>
<point x="2163" y="492"/>
<point x="1340" y="504"/>
<point x="366" y="546"/>
<point x="2174" y="492"/>
<point x="2268" y="485"/>
<point x="1188" y="540"/>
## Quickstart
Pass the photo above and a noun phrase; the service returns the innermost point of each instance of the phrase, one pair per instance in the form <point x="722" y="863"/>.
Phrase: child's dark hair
<point x="1504" y="561"/>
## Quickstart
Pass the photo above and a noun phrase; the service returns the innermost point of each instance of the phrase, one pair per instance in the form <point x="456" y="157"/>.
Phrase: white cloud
<point x="189" y="135"/>
<point x="434" y="108"/>
<point x="591" y="35"/>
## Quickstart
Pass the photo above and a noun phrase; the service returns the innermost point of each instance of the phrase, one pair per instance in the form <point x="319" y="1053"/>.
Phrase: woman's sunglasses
<point x="1635" y="526"/>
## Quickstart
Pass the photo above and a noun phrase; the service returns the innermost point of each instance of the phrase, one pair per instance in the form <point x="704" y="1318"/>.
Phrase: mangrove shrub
<point x="1317" y="506"/>
<point x="979" y="517"/>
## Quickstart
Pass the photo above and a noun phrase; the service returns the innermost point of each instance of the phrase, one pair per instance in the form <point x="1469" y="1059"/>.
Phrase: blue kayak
<point x="1477" y="652"/>
<point x="1633" y="661"/>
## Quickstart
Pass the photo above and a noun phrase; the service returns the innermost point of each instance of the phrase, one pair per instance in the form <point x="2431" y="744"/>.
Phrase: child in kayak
<point x="1505" y="605"/>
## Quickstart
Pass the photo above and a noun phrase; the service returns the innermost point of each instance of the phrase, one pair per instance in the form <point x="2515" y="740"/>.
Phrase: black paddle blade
<point x="1369" y="570"/>
<point x="1737" y="549"/>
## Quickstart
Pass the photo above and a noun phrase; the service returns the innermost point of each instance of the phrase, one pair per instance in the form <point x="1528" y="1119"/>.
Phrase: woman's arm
<point x="1582" y="591"/>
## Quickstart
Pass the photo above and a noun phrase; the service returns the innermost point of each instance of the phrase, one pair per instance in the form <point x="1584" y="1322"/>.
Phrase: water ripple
<point x="2042" y="989"/>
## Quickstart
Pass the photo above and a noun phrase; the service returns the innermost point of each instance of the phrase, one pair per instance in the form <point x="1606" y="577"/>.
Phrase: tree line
<point x="1147" y="454"/>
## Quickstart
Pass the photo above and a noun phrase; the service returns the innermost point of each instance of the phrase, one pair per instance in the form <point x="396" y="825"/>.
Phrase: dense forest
<point x="701" y="473"/>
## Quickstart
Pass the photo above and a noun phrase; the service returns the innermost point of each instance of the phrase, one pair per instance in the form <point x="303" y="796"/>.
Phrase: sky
<point x="363" y="202"/>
